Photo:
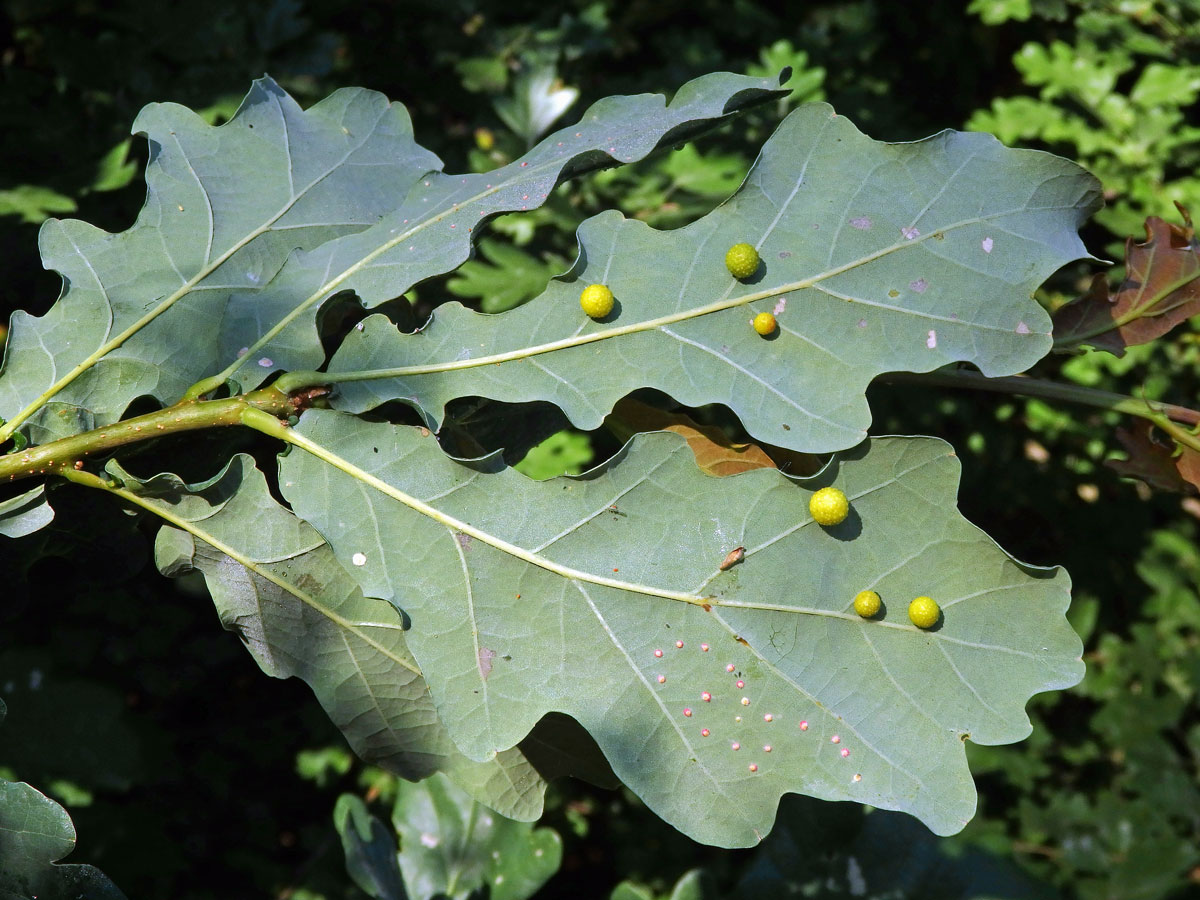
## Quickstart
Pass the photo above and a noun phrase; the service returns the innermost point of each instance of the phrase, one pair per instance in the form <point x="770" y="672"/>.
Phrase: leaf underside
<point x="577" y="625"/>
<point x="264" y="218"/>
<point x="875" y="258"/>
<point x="349" y="649"/>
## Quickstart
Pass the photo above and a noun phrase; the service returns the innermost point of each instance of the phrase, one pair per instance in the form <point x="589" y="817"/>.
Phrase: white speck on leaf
<point x="1022" y="328"/>
<point x="780" y="306"/>
<point x="920" y="285"/>
<point x="910" y="232"/>
<point x="987" y="245"/>
<point x="359" y="559"/>
<point x="266" y="362"/>
<point x="862" y="223"/>
<point x="429" y="840"/>
<point x="931" y="341"/>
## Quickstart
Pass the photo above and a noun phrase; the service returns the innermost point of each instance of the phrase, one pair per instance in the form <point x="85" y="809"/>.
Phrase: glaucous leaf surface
<point x="433" y="231"/>
<point x="875" y="258"/>
<point x="711" y="692"/>
<point x="224" y="208"/>
<point x="301" y="615"/>
<point x="179" y="296"/>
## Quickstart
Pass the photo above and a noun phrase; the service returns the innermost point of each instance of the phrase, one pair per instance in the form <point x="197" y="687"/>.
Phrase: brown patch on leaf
<point x="714" y="452"/>
<point x="1160" y="290"/>
<point x="1157" y="460"/>
<point x="485" y="661"/>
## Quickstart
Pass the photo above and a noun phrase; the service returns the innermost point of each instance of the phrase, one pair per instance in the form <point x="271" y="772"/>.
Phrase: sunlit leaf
<point x="551" y="601"/>
<point x="875" y="258"/>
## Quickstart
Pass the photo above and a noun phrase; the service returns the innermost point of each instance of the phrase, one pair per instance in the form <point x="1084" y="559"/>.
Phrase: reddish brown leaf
<point x="1160" y="290"/>
<point x="714" y="452"/>
<point x="1157" y="460"/>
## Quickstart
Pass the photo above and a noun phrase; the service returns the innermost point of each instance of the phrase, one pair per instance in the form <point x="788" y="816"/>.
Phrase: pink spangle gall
<point x="679" y="645"/>
<point x="745" y="701"/>
<point x="706" y="696"/>
<point x="766" y="748"/>
<point x="835" y="740"/>
<point x="753" y="767"/>
<point x="704" y="647"/>
<point x="729" y="668"/>
<point x="662" y="679"/>
<point x="804" y="725"/>
<point x="845" y="753"/>
<point x="658" y="653"/>
<point x="741" y="683"/>
<point x="703" y="732"/>
<point x="857" y="778"/>
<point x="735" y="746"/>
<point x="687" y="712"/>
<point x="768" y="718"/>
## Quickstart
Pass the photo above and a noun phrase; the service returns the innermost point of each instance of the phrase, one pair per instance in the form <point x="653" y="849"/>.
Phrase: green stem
<point x="1167" y="416"/>
<point x="191" y="415"/>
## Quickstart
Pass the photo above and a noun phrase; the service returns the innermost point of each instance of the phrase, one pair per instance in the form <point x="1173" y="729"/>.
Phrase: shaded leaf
<point x="715" y="453"/>
<point x="35" y="833"/>
<point x="879" y="856"/>
<point x="508" y="278"/>
<point x="370" y="850"/>
<point x="452" y="846"/>
<point x="1161" y="289"/>
<point x="583" y="611"/>
<point x="875" y="258"/>
<point x="25" y="513"/>
<point x="224" y="208"/>
<point x="1154" y="458"/>
<point x="301" y="615"/>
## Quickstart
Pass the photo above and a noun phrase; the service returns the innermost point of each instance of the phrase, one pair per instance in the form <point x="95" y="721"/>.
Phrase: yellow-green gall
<point x="764" y="324"/>
<point x="596" y="300"/>
<point x="741" y="260"/>
<point x="924" y="612"/>
<point x="867" y="604"/>
<point x="829" y="506"/>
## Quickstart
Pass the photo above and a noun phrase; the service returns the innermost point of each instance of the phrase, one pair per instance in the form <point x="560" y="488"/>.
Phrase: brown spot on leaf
<point x="485" y="661"/>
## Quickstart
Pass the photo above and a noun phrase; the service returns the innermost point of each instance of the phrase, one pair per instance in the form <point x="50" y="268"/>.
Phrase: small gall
<point x="804" y="725"/>
<point x="735" y="746"/>
<point x="745" y="701"/>
<point x="835" y="740"/>
<point x="703" y="732"/>
<point x="741" y="683"/>
<point x="679" y="645"/>
<point x="706" y="696"/>
<point x="729" y="668"/>
<point x="857" y="778"/>
<point x="845" y="753"/>
<point x="662" y="679"/>
<point x="687" y="712"/>
<point x="658" y="654"/>
<point x="704" y="647"/>
<point x="766" y="748"/>
<point x="753" y="767"/>
<point x="768" y="718"/>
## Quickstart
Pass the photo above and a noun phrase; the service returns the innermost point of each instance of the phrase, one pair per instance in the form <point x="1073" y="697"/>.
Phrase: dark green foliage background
<point x="188" y="774"/>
